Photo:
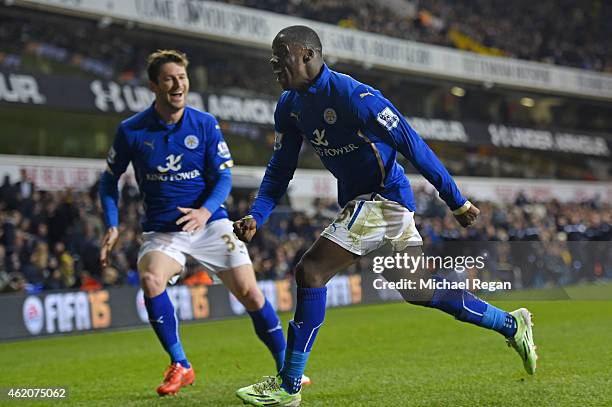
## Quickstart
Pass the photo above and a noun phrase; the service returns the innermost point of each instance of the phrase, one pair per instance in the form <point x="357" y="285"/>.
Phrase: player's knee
<point x="251" y="299"/>
<point x="307" y="275"/>
<point x="152" y="283"/>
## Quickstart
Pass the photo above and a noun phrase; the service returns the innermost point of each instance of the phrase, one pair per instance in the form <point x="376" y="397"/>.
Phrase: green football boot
<point x="268" y="393"/>
<point x="522" y="342"/>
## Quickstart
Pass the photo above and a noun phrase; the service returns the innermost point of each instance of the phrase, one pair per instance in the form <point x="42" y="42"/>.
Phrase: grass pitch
<point x="381" y="355"/>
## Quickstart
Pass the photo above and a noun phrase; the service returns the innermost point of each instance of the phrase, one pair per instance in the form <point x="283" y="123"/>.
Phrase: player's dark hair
<point x="303" y="35"/>
<point x="162" y="56"/>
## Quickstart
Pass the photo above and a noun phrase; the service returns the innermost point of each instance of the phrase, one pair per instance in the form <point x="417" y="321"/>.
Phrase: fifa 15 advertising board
<point x="67" y="312"/>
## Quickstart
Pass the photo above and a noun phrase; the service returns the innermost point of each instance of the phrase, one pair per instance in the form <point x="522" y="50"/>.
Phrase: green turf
<point x="383" y="355"/>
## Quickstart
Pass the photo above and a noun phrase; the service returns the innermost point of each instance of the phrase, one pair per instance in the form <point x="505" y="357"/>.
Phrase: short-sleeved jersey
<point x="356" y="133"/>
<point x="174" y="163"/>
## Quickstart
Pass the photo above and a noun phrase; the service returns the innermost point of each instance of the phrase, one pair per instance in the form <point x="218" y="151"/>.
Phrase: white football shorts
<point x="215" y="246"/>
<point x="369" y="222"/>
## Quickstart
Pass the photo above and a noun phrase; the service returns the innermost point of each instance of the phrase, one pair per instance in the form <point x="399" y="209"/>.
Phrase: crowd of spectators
<point x="35" y="41"/>
<point x="573" y="33"/>
<point x="50" y="240"/>
<point x="568" y="32"/>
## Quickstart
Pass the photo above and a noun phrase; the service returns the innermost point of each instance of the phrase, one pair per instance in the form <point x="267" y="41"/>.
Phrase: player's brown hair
<point x="161" y="57"/>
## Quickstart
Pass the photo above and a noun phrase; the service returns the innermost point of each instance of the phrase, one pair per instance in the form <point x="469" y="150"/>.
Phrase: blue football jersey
<point x="357" y="133"/>
<point x="175" y="164"/>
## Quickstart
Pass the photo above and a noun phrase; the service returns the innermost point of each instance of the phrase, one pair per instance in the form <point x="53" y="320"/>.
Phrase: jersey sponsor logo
<point x="278" y="141"/>
<point x="173" y="163"/>
<point x="330" y="116"/>
<point x="319" y="142"/>
<point x="364" y="94"/>
<point x="191" y="142"/>
<point x="181" y="176"/>
<point x="149" y="144"/>
<point x="112" y="155"/>
<point x="319" y="138"/>
<point x="387" y="118"/>
<point x="295" y="115"/>
<point x="223" y="150"/>
<point x="333" y="152"/>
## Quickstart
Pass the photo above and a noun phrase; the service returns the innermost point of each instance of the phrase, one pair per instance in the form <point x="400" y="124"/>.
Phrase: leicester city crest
<point x="329" y="115"/>
<point x="191" y="142"/>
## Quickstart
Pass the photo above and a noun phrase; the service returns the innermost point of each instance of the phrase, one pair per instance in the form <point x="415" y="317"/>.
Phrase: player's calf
<point x="242" y="284"/>
<point x="466" y="307"/>
<point x="155" y="268"/>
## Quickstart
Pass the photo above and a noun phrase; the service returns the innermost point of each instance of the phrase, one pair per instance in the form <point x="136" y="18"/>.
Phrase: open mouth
<point x="176" y="96"/>
<point x="280" y="75"/>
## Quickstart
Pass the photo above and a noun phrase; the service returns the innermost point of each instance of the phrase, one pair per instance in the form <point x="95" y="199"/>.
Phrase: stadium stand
<point x="50" y="240"/>
<point x="116" y="52"/>
<point x="97" y="49"/>
<point x="79" y="46"/>
<point x="567" y="32"/>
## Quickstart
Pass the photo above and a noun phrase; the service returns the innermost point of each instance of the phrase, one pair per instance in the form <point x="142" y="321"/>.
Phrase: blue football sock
<point x="309" y="316"/>
<point x="165" y="324"/>
<point x="465" y="306"/>
<point x="270" y="330"/>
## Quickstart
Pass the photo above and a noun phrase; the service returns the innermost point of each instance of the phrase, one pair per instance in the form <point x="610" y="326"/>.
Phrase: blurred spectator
<point x="532" y="243"/>
<point x="24" y="187"/>
<point x="8" y="193"/>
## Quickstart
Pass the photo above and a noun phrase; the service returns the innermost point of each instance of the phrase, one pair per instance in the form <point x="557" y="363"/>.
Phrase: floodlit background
<point x="514" y="97"/>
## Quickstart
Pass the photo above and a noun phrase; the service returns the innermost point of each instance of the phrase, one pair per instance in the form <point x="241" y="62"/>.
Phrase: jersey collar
<point x="158" y="120"/>
<point x="320" y="82"/>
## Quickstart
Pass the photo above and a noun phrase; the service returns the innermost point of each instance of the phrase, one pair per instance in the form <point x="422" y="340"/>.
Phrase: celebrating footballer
<point x="357" y="134"/>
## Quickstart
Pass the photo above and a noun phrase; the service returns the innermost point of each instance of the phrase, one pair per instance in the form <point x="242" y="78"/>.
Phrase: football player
<point x="182" y="166"/>
<point x="357" y="134"/>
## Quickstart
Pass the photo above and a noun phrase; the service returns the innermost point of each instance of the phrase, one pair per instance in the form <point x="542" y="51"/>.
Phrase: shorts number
<point x="228" y="241"/>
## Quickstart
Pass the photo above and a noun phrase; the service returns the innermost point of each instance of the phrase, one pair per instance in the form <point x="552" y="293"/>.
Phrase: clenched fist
<point x="245" y="228"/>
<point x="468" y="217"/>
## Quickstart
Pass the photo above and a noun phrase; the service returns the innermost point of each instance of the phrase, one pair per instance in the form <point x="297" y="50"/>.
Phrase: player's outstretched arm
<point x="282" y="165"/>
<point x="245" y="228"/>
<point x="380" y="117"/>
<point x="118" y="158"/>
<point x="108" y="242"/>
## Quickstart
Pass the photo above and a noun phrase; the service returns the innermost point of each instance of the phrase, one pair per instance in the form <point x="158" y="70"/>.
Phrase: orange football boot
<point x="175" y="377"/>
<point x="306" y="380"/>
